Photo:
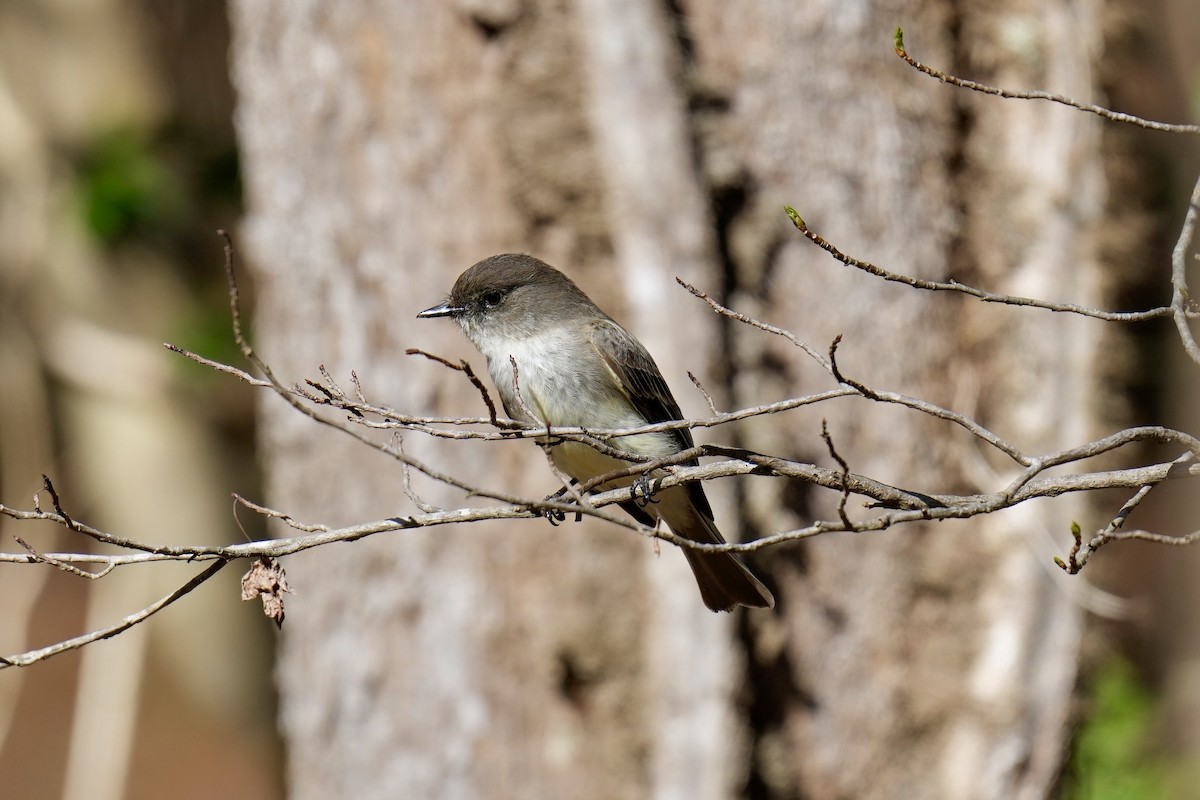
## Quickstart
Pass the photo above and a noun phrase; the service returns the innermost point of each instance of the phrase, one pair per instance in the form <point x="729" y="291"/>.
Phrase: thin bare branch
<point x="465" y="368"/>
<point x="1156" y="538"/>
<point x="907" y="507"/>
<point x="63" y="565"/>
<point x="516" y="387"/>
<point x="855" y="387"/>
<point x="1081" y="552"/>
<point x="59" y="517"/>
<point x="407" y="483"/>
<point x="870" y="394"/>
<point x="56" y="502"/>
<point x="521" y="430"/>
<point x="712" y="407"/>
<point x="980" y="294"/>
<point x="1101" y="111"/>
<point x="833" y="453"/>
<point x="1183" y="307"/>
<point x="271" y="513"/>
<point x="241" y="375"/>
<point x="754" y="323"/>
<point x="33" y="656"/>
<point x="930" y="409"/>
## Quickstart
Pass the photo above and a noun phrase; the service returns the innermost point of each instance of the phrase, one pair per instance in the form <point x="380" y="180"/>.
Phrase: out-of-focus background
<point x="389" y="145"/>
<point x="118" y="164"/>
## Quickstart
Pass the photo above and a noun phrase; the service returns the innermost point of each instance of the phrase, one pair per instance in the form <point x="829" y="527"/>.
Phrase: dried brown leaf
<point x="267" y="579"/>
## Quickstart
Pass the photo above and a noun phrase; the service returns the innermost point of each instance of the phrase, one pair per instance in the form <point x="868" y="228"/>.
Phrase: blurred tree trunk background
<point x="117" y="162"/>
<point x="389" y="146"/>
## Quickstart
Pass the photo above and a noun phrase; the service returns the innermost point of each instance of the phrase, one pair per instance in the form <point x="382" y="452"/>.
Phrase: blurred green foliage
<point x="126" y="189"/>
<point x="1117" y="755"/>
<point x="168" y="189"/>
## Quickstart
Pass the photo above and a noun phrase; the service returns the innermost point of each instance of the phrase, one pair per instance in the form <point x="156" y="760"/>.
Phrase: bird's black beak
<point x="444" y="310"/>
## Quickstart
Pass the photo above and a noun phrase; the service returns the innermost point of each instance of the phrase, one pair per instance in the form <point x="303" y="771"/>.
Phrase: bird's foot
<point x="643" y="491"/>
<point x="553" y="515"/>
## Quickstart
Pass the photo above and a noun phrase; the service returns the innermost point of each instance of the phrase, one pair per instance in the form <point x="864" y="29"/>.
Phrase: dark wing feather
<point x="638" y="375"/>
<point x="724" y="579"/>
<point x="642" y="382"/>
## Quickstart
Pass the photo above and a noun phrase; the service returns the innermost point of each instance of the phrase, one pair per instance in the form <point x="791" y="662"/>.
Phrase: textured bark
<point x="390" y="145"/>
<point x="953" y="645"/>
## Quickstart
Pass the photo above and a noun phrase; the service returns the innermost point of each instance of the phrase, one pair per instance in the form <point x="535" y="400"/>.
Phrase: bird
<point x="575" y="366"/>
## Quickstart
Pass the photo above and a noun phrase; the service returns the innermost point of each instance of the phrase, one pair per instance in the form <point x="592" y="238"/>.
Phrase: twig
<point x="279" y="515"/>
<point x="955" y="286"/>
<point x="922" y="406"/>
<point x="569" y="487"/>
<point x="524" y="430"/>
<point x="63" y="565"/>
<point x="703" y="392"/>
<point x="407" y="481"/>
<point x="330" y="382"/>
<point x="358" y="390"/>
<point x="754" y="323"/>
<point x="1109" y="114"/>
<point x="241" y="375"/>
<point x="465" y="368"/>
<point x="1080" y="552"/>
<point x="334" y="391"/>
<point x="840" y="378"/>
<point x="1182" y="306"/>
<point x="1072" y="565"/>
<point x="60" y="517"/>
<point x="235" y="306"/>
<point x="32" y="656"/>
<point x="845" y="474"/>
<point x="1156" y="538"/>
<point x="516" y="387"/>
<point x="54" y="500"/>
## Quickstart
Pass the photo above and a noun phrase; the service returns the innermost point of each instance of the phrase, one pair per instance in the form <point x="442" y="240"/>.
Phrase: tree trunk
<point x="388" y="146"/>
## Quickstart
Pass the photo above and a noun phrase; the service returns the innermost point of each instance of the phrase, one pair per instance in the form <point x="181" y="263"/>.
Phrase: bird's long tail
<point x="724" y="579"/>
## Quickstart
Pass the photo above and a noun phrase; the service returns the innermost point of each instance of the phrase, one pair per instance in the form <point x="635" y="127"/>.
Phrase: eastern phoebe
<point x="576" y="367"/>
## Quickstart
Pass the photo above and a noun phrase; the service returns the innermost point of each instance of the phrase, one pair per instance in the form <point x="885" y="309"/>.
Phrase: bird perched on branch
<point x="558" y="360"/>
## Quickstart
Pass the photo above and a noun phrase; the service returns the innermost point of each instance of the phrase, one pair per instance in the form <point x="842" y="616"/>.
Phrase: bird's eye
<point x="492" y="299"/>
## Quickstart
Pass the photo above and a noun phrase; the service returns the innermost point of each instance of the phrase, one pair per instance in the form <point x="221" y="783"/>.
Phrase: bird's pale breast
<point x="564" y="382"/>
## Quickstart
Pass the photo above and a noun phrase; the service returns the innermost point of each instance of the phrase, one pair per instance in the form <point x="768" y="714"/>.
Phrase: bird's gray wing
<point x="637" y="375"/>
<point x="642" y="383"/>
